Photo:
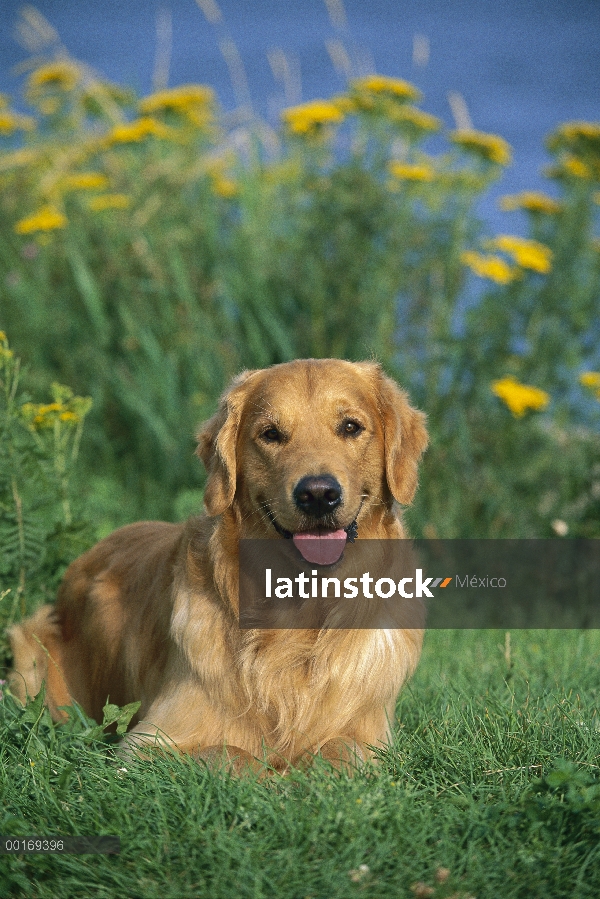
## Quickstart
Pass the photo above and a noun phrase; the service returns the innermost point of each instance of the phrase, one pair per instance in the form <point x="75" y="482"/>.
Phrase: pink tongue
<point x="321" y="547"/>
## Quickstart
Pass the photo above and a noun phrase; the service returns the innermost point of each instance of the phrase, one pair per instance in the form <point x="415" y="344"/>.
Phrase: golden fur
<point x="150" y="612"/>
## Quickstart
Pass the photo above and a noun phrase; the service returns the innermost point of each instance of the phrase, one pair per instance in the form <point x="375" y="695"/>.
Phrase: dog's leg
<point x="36" y="648"/>
<point x="143" y="738"/>
<point x="146" y="739"/>
<point x="343" y="753"/>
<point x="229" y="758"/>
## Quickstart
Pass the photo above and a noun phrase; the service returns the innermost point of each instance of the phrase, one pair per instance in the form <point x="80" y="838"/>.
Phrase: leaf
<point x="121" y="716"/>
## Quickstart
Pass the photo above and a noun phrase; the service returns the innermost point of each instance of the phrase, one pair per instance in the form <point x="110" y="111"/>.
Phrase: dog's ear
<point x="217" y="440"/>
<point x="405" y="439"/>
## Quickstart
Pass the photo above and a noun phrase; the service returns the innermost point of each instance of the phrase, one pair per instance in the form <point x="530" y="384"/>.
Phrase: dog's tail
<point x="36" y="648"/>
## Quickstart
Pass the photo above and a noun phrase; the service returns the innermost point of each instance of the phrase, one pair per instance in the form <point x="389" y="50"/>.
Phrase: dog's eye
<point x="271" y="435"/>
<point x="350" y="428"/>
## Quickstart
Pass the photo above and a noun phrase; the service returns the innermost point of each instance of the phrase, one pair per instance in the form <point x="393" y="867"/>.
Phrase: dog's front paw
<point x="228" y="758"/>
<point x="343" y="753"/>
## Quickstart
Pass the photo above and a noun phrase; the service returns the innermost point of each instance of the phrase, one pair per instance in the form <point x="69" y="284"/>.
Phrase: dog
<point x="318" y="451"/>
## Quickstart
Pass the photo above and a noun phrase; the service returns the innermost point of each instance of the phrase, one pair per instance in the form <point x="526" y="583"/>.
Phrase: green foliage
<point x="151" y="253"/>
<point x="40" y="530"/>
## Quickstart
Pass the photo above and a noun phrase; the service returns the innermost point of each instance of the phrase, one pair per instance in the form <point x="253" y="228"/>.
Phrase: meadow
<point x="153" y="247"/>
<point x="490" y="789"/>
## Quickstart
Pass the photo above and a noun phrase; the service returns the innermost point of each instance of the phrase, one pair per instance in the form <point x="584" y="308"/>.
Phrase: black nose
<point x="317" y="494"/>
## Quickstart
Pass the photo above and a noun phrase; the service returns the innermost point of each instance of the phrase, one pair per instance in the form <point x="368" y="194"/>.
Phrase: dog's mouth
<point x="320" y="546"/>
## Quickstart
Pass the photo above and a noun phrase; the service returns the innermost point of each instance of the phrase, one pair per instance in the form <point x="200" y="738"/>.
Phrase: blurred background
<point x="520" y="68"/>
<point x="188" y="189"/>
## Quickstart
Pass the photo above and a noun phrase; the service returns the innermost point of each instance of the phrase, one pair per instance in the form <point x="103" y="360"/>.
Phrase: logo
<point x="304" y="587"/>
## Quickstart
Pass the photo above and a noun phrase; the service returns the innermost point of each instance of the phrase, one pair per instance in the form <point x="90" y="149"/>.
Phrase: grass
<point x="492" y="776"/>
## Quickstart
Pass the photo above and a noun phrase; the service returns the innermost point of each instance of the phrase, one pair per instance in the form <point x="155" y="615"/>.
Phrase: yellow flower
<point x="579" y="137"/>
<point x="528" y="254"/>
<point x="10" y="121"/>
<point x="109" y="201"/>
<point x="571" y="167"/>
<point x="62" y="75"/>
<point x="65" y="408"/>
<point x="406" y="172"/>
<point x="178" y="99"/>
<point x="590" y="379"/>
<point x="492" y="267"/>
<point x="69" y="416"/>
<point x="396" y="88"/>
<point x="415" y="118"/>
<point x="134" y="132"/>
<point x="572" y="131"/>
<point x="45" y="219"/>
<point x="519" y="397"/>
<point x="576" y="167"/>
<point x="310" y="117"/>
<point x="531" y="200"/>
<point x="40" y="415"/>
<point x="489" y="146"/>
<point x="49" y="407"/>
<point x="84" y="181"/>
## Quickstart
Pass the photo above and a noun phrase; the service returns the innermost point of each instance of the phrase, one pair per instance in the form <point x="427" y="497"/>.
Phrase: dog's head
<point x="311" y="447"/>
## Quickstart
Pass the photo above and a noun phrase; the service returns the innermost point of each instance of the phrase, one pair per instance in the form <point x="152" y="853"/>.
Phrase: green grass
<point x="493" y="775"/>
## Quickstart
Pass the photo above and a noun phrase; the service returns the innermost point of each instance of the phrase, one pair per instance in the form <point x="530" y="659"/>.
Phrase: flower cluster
<point x="138" y="130"/>
<point x="61" y="75"/>
<point x="519" y="398"/>
<point x="310" y="118"/>
<point x="582" y="138"/>
<point x="65" y="409"/>
<point x="177" y="99"/>
<point x="529" y="254"/>
<point x="192" y="103"/>
<point x="577" y="147"/>
<point x="47" y="218"/>
<point x="410" y="117"/>
<point x="488" y="147"/>
<point x="489" y="266"/>
<point x="49" y="86"/>
<point x="383" y="86"/>
<point x="532" y="201"/>
<point x="570" y="167"/>
<point x="406" y="172"/>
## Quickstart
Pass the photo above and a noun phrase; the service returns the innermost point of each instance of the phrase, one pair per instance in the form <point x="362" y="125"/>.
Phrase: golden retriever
<point x="308" y="450"/>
